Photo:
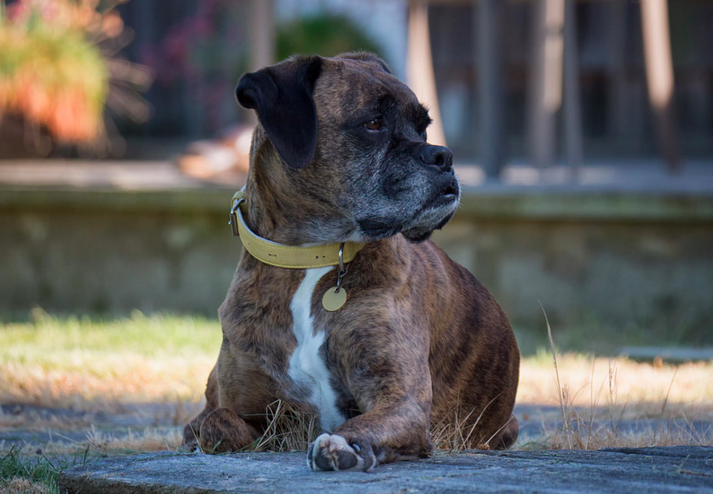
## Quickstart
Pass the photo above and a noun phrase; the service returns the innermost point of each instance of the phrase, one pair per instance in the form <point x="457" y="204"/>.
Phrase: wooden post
<point x="545" y="92"/>
<point x="659" y="75"/>
<point x="262" y="33"/>
<point x="261" y="39"/>
<point x="490" y="89"/>
<point x="419" y="67"/>
<point x="193" y="88"/>
<point x="142" y="15"/>
<point x="572" y="106"/>
<point x="616" y="71"/>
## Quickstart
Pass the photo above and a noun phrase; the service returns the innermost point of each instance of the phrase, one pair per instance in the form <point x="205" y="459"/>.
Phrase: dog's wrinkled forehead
<point x="306" y="98"/>
<point x="347" y="85"/>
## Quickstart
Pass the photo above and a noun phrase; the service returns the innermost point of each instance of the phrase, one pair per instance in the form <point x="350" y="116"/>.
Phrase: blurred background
<point x="583" y="138"/>
<point x="582" y="133"/>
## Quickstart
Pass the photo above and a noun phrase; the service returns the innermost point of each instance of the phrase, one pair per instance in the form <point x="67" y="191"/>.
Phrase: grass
<point x="19" y="475"/>
<point x="592" y="412"/>
<point x="90" y="365"/>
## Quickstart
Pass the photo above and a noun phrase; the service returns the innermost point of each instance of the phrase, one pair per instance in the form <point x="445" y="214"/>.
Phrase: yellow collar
<point x="287" y="256"/>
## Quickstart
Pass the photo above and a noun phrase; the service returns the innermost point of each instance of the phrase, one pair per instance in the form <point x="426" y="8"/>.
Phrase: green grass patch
<point x="20" y="473"/>
<point x="93" y="363"/>
<point x="594" y="337"/>
<point x="65" y="342"/>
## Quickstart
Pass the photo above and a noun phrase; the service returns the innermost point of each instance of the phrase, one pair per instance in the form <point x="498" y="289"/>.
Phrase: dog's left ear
<point x="282" y="97"/>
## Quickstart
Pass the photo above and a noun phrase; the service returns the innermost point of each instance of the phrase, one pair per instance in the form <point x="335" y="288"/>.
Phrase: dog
<point x="407" y="338"/>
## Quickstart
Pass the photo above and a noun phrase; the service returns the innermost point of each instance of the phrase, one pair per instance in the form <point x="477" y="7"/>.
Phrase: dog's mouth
<point x="435" y="214"/>
<point x="431" y="214"/>
<point x="450" y="193"/>
<point x="447" y="196"/>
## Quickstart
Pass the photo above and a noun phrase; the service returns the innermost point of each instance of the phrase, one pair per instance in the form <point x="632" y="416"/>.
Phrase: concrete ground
<point x="650" y="470"/>
<point x="648" y="176"/>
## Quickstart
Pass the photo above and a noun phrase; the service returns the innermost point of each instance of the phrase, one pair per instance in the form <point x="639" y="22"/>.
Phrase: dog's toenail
<point x="355" y="447"/>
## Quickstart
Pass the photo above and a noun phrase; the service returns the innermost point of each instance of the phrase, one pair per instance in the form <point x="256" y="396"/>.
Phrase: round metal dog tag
<point x="334" y="299"/>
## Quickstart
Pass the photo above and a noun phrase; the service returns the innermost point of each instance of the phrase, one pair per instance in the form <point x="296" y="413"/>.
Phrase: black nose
<point x="437" y="156"/>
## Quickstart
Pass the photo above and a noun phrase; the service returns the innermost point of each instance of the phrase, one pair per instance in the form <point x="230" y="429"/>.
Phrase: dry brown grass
<point x="108" y="367"/>
<point x="19" y="485"/>
<point x="641" y="386"/>
<point x="100" y="443"/>
<point x="289" y="429"/>
<point x="149" y="439"/>
<point x="131" y="380"/>
<point x="92" y="365"/>
<point x="621" y="403"/>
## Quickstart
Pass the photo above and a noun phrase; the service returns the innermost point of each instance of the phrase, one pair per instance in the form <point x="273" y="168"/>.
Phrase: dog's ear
<point x="282" y="97"/>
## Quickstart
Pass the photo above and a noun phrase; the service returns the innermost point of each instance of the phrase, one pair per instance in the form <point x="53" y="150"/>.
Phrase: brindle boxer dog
<point x="340" y="155"/>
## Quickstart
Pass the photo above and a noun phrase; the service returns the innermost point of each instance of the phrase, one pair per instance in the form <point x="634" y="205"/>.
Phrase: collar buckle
<point x="233" y="221"/>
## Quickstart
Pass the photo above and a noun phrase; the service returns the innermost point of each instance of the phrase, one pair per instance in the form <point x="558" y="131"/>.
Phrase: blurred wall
<point x="618" y="260"/>
<point x="198" y="50"/>
<point x="616" y="117"/>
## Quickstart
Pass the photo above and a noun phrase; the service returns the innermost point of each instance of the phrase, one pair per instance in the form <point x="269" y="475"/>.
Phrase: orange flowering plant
<point x="52" y="72"/>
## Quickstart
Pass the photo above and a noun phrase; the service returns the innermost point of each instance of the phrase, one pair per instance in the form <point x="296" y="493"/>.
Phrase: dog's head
<point x="351" y="141"/>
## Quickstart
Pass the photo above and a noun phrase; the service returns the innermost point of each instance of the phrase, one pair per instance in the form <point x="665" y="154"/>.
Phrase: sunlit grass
<point x="604" y="420"/>
<point x="641" y="385"/>
<point x="92" y="364"/>
<point x="155" y="336"/>
<point x="89" y="363"/>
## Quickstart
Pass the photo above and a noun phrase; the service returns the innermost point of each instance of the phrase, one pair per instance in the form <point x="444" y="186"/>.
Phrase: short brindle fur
<point x="340" y="154"/>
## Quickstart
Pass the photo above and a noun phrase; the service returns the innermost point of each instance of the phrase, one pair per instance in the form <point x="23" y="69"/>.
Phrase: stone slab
<point x="650" y="470"/>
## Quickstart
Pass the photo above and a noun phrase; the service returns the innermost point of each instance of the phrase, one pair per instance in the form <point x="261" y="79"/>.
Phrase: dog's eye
<point x="374" y="124"/>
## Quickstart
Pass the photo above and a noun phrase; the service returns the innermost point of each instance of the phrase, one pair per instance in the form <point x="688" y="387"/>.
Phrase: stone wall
<point x="621" y="273"/>
<point x="620" y="259"/>
<point x="115" y="251"/>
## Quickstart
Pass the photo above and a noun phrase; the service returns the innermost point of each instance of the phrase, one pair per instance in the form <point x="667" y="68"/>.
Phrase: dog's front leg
<point x="386" y="433"/>
<point x="390" y="381"/>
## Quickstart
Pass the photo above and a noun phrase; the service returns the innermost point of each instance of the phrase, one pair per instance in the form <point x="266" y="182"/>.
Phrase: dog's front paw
<point x="332" y="452"/>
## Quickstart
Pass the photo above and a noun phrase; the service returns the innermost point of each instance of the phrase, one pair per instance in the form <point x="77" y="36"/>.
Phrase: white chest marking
<point x="306" y="365"/>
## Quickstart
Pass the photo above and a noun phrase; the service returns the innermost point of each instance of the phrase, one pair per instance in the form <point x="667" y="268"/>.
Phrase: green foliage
<point x="323" y="34"/>
<point x="39" y="470"/>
